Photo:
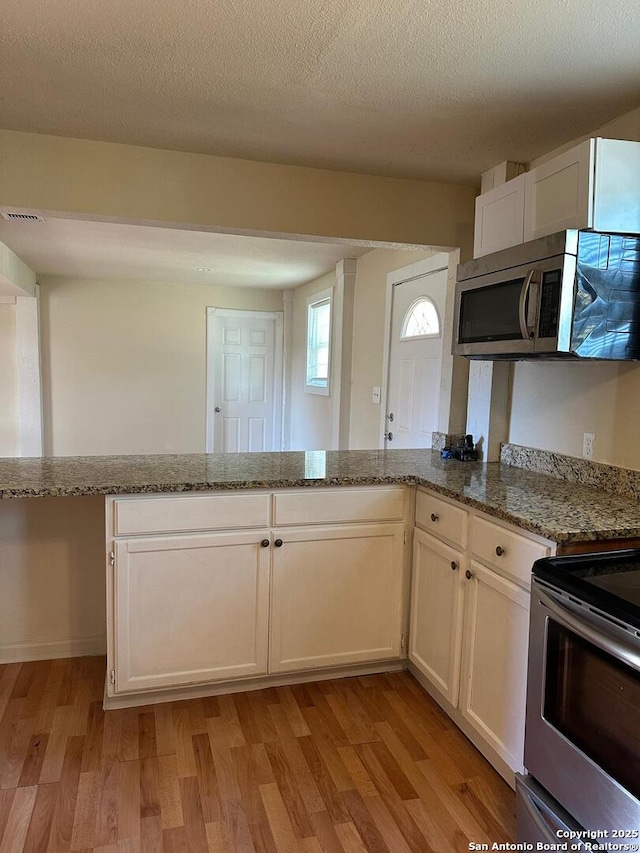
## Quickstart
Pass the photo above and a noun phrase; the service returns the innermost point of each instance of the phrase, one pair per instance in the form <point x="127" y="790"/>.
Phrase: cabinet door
<point x="499" y="221"/>
<point x="436" y="613"/>
<point x="617" y="186"/>
<point x="494" y="662"/>
<point x="336" y="595"/>
<point x="190" y="609"/>
<point x="559" y="193"/>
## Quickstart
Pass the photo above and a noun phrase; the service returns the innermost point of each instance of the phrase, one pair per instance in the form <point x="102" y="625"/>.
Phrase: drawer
<point x="189" y="512"/>
<point x="441" y="518"/>
<point x="509" y="552"/>
<point x="321" y="506"/>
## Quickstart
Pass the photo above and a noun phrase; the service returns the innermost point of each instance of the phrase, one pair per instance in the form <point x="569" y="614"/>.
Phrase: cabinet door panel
<point x="190" y="609"/>
<point x="336" y="596"/>
<point x="436" y="613"/>
<point x="494" y="661"/>
<point x="499" y="218"/>
<point x="559" y="193"/>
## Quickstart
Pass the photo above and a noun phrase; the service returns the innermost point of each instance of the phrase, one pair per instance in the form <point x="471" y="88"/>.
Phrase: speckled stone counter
<point x="562" y="511"/>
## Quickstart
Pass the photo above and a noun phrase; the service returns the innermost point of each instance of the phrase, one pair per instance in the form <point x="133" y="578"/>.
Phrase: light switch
<point x="375" y="396"/>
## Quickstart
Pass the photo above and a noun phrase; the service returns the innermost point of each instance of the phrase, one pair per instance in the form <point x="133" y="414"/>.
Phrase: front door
<point x="244" y="399"/>
<point x="415" y="359"/>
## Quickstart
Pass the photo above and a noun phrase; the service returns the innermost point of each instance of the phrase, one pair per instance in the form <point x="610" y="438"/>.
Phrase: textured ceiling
<point x="419" y="88"/>
<point x="111" y="251"/>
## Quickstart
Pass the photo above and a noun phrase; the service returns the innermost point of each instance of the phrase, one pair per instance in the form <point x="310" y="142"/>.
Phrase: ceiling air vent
<point x="22" y="217"/>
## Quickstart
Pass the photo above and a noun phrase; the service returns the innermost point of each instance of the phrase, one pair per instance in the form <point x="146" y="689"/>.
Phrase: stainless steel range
<point x="582" y="739"/>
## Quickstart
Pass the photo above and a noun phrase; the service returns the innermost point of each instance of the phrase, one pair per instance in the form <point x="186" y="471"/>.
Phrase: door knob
<point x="278" y="543"/>
<point x="265" y="543"/>
<point x="468" y="575"/>
<point x="499" y="551"/>
<point x="454" y="565"/>
<point x="389" y="436"/>
<point x="391" y="416"/>
<point x="434" y="517"/>
<point x="217" y="409"/>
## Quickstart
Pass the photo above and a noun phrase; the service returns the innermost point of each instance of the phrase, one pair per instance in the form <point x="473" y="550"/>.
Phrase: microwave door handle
<point x="526" y="331"/>
<point x="583" y="628"/>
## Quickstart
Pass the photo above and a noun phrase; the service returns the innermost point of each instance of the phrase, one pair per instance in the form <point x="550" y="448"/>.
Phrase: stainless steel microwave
<point x="575" y="294"/>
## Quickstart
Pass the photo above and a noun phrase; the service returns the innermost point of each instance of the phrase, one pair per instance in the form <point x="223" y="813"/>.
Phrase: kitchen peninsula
<point x="229" y="572"/>
<point x="565" y="512"/>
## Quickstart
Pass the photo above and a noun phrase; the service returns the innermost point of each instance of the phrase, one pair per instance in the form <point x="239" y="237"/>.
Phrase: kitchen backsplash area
<point x="624" y="482"/>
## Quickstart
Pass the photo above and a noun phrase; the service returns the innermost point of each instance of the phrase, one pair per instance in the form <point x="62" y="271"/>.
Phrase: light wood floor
<point x="343" y="766"/>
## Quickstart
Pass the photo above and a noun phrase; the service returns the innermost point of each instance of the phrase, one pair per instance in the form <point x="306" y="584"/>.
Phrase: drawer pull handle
<point x="454" y="565"/>
<point x="265" y="543"/>
<point x="434" y="517"/>
<point x="499" y="551"/>
<point x="468" y="575"/>
<point x="278" y="543"/>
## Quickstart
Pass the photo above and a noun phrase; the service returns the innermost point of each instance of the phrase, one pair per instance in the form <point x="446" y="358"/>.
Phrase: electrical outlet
<point x="588" y="440"/>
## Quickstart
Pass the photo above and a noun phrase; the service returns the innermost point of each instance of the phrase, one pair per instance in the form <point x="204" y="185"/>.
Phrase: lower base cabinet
<point x="436" y="613"/>
<point x="336" y="596"/>
<point x="494" y="661"/>
<point x="469" y="635"/>
<point x="190" y="609"/>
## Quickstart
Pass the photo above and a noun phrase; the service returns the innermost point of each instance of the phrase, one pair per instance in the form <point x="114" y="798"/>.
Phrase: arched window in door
<point x="421" y="320"/>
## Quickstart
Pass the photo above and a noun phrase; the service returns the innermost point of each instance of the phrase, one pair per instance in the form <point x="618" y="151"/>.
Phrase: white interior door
<point x="244" y="405"/>
<point x="415" y="360"/>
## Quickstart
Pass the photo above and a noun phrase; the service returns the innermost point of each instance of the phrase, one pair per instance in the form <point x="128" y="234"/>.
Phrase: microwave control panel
<point x="549" y="304"/>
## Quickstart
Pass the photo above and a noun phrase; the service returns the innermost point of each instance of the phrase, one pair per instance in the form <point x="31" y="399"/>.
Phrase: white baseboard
<point x="242" y="685"/>
<point x="50" y="649"/>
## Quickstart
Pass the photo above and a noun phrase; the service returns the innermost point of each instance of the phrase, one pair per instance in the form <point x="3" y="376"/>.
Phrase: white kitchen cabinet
<point x="470" y="624"/>
<point x="195" y="598"/>
<point x="435" y="638"/>
<point x="336" y="595"/>
<point x="499" y="221"/>
<point x="594" y="185"/>
<point x="190" y="609"/>
<point x="494" y="661"/>
<point x="559" y="193"/>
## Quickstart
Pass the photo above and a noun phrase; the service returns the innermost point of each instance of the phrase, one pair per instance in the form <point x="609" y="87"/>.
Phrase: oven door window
<point x="491" y="313"/>
<point x="594" y="701"/>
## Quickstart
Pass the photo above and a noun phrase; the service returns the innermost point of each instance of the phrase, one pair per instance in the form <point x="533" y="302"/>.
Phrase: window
<point x="319" y="342"/>
<point x="421" y="320"/>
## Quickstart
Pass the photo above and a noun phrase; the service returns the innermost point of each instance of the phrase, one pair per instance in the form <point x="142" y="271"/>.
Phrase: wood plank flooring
<point x="344" y="766"/>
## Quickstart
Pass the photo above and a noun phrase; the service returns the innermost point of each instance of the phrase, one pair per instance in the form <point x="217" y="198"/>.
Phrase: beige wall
<point x="131" y="183"/>
<point x="368" y="339"/>
<point x="626" y="126"/>
<point x="124" y="363"/>
<point x="311" y="414"/>
<point x="554" y="404"/>
<point x="52" y="583"/>
<point x="9" y="432"/>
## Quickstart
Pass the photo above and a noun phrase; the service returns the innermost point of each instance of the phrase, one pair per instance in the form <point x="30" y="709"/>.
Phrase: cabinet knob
<point x="499" y="551"/>
<point x="434" y="517"/>
<point x="454" y="565"/>
<point x="265" y="543"/>
<point x="468" y="575"/>
<point x="278" y="543"/>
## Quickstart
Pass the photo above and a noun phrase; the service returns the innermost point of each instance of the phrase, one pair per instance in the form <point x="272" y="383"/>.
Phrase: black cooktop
<point x="609" y="581"/>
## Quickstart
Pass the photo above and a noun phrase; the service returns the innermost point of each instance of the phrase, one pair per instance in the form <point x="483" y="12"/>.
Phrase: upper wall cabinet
<point x="499" y="217"/>
<point x="595" y="185"/>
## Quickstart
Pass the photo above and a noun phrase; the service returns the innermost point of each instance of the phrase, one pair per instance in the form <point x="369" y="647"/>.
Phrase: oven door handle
<point x="583" y="627"/>
<point x="547" y="835"/>
<point x="525" y="330"/>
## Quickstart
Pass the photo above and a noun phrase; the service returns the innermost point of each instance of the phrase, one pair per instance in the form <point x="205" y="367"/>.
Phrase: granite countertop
<point x="562" y="511"/>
